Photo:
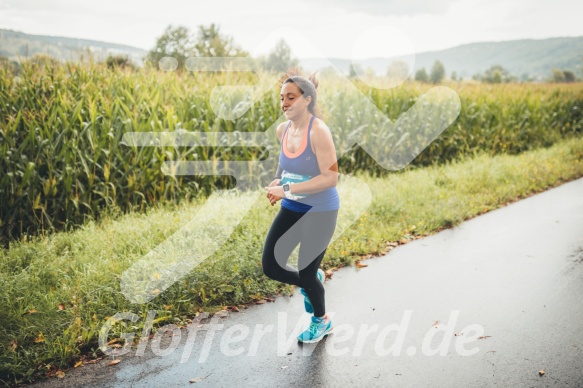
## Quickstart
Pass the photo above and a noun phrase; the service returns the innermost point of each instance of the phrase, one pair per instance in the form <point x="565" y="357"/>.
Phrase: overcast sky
<point x="319" y="28"/>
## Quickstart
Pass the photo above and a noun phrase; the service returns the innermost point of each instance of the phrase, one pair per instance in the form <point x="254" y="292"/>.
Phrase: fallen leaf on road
<point x="94" y="361"/>
<point x="113" y="341"/>
<point x="198" y="379"/>
<point x="541" y="372"/>
<point x="262" y="301"/>
<point x="78" y="364"/>
<point x="484" y="336"/>
<point x="435" y="324"/>
<point x="361" y="265"/>
<point x="458" y="334"/>
<point x="329" y="273"/>
<point x="60" y="374"/>
<point x="114" y="362"/>
<point x="61" y="306"/>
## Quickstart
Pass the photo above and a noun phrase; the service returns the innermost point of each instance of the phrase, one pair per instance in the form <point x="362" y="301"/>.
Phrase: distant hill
<point x="526" y="56"/>
<point x="533" y="57"/>
<point x="14" y="44"/>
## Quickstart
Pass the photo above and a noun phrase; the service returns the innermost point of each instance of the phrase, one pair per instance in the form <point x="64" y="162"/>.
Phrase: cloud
<point x="391" y="7"/>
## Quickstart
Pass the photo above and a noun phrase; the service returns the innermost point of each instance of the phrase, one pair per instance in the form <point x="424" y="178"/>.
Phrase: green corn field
<point x="61" y="125"/>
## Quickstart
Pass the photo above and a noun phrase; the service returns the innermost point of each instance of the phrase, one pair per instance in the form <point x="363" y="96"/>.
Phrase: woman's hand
<point x="272" y="192"/>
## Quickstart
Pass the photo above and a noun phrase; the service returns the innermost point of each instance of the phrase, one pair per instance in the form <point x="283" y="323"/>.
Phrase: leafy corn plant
<point x="62" y="162"/>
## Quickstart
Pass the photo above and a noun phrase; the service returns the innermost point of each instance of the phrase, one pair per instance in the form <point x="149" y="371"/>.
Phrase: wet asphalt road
<point x="513" y="276"/>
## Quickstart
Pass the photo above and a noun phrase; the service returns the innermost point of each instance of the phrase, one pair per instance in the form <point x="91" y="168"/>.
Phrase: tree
<point x="563" y="76"/>
<point x="437" y="72"/>
<point x="497" y="74"/>
<point x="421" y="75"/>
<point x="398" y="70"/>
<point x="176" y="42"/>
<point x="280" y="59"/>
<point x="558" y="75"/>
<point x="179" y="42"/>
<point x="211" y="43"/>
<point x="569" y="76"/>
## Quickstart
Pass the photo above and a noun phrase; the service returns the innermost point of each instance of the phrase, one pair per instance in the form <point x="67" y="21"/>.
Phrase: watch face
<point x="286" y="187"/>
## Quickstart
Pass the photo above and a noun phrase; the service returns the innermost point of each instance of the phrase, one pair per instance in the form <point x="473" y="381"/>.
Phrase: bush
<point x="119" y="61"/>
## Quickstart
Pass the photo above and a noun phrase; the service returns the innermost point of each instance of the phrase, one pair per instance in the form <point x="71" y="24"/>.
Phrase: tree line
<point x="181" y="43"/>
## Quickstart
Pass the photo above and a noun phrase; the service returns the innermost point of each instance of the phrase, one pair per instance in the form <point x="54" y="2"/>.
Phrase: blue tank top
<point x="302" y="166"/>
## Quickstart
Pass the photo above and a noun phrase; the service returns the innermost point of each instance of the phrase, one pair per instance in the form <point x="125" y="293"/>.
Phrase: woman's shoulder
<point x="280" y="130"/>
<point x="319" y="129"/>
<point x="320" y="135"/>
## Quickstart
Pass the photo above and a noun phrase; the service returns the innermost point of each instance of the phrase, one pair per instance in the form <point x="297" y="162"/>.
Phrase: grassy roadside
<point x="423" y="201"/>
<point x="58" y="291"/>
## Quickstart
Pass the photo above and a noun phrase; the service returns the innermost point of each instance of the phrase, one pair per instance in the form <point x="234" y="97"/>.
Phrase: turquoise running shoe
<point x="319" y="328"/>
<point x="307" y="304"/>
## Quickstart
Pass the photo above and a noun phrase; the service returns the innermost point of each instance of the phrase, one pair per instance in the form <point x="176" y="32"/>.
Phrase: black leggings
<point x="313" y="232"/>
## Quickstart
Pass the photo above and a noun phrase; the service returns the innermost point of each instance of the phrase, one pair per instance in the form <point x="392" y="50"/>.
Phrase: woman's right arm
<point x="277" y="179"/>
<point x="279" y="131"/>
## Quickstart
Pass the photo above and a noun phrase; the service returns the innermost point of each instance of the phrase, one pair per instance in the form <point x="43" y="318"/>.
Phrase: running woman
<point x="307" y="187"/>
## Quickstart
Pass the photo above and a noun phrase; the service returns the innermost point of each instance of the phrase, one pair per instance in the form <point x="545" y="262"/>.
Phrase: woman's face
<point x="293" y="104"/>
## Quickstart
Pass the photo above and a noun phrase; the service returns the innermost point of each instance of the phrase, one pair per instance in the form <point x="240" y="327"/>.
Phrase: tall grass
<point x="62" y="163"/>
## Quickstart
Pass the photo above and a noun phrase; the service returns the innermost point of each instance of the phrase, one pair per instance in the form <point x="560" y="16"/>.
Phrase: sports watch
<point x="286" y="191"/>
